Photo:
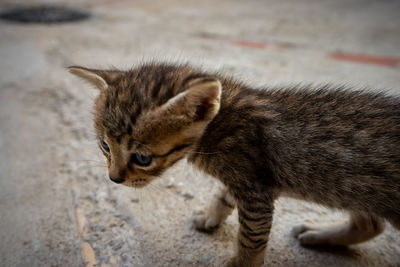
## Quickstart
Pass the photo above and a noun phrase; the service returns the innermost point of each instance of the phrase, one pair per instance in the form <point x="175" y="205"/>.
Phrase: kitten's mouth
<point x="138" y="183"/>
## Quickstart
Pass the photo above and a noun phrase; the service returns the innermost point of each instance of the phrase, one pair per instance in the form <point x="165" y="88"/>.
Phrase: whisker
<point x="164" y="190"/>
<point x="97" y="166"/>
<point x="84" y="160"/>
<point x="92" y="137"/>
<point x="160" y="189"/>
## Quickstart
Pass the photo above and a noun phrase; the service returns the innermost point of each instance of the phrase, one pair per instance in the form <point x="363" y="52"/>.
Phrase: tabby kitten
<point x="335" y="147"/>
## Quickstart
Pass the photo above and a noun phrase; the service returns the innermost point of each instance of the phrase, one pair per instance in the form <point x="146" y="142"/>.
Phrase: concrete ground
<point x="57" y="206"/>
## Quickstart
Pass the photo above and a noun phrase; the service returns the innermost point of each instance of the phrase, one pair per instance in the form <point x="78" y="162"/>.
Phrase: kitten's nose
<point x="117" y="174"/>
<point x="117" y="180"/>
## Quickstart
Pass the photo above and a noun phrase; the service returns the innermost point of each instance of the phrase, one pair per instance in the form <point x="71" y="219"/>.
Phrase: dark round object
<point x="44" y="14"/>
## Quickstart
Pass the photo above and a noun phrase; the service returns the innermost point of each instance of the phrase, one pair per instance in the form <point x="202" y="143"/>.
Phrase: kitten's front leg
<point x="255" y="223"/>
<point x="219" y="209"/>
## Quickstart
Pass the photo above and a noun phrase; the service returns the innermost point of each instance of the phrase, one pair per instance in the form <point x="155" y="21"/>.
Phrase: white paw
<point x="298" y="229"/>
<point x="308" y="235"/>
<point x="204" y="223"/>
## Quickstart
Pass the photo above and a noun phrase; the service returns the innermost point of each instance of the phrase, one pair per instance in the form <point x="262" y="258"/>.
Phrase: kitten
<point x="335" y="147"/>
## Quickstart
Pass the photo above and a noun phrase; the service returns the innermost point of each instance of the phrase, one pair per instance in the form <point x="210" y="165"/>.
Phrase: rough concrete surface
<point x="57" y="206"/>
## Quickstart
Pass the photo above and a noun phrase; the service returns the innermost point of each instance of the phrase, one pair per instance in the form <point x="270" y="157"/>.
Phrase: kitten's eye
<point x="141" y="160"/>
<point x="104" y="145"/>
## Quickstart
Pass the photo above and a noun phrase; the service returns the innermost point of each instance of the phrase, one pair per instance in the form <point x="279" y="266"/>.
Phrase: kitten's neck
<point x="233" y="120"/>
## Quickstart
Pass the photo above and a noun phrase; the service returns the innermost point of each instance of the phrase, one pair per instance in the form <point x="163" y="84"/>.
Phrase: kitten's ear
<point x="200" y="101"/>
<point x="99" y="78"/>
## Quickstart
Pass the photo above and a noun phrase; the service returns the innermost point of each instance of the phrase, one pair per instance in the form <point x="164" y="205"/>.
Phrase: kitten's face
<point x="149" y="118"/>
<point x="134" y="163"/>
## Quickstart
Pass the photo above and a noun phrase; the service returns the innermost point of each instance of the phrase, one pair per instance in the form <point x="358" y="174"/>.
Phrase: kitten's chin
<point x="137" y="184"/>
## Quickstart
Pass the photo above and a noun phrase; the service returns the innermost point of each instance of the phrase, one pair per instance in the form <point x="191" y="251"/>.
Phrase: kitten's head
<point x="148" y="118"/>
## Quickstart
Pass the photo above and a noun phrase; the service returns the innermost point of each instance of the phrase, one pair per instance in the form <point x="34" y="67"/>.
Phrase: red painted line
<point x="366" y="59"/>
<point x="242" y="43"/>
<point x="249" y="44"/>
<point x="282" y="46"/>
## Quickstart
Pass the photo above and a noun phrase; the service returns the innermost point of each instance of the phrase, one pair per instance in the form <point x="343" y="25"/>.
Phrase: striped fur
<point x="333" y="146"/>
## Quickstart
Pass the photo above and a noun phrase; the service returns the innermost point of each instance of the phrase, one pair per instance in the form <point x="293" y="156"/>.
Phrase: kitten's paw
<point x="204" y="223"/>
<point x="299" y="229"/>
<point x="310" y="235"/>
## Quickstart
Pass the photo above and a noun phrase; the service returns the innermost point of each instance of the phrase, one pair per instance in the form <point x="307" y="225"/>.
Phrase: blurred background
<point x="57" y="205"/>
